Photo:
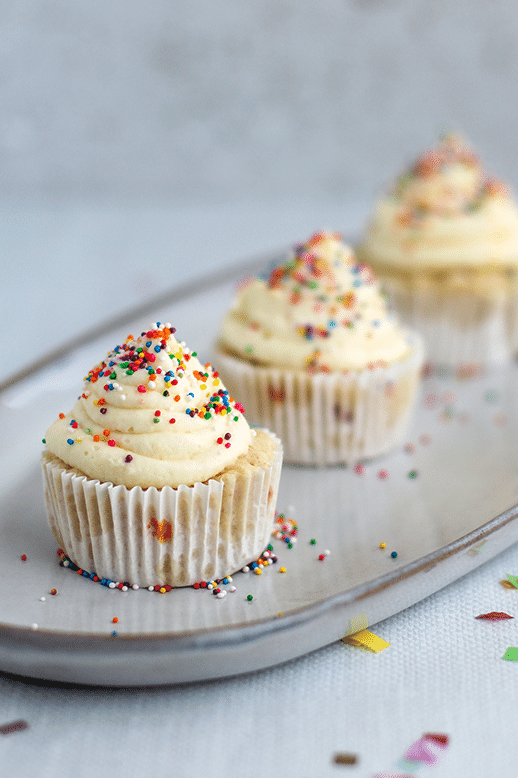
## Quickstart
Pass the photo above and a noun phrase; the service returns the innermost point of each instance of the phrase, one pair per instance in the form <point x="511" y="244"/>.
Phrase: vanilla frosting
<point x="318" y="311"/>
<point x="151" y="415"/>
<point x="444" y="212"/>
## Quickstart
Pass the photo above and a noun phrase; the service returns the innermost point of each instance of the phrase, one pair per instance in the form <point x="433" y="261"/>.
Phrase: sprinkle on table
<point x="494" y="616"/>
<point x="345" y="758"/>
<point x="13" y="726"/>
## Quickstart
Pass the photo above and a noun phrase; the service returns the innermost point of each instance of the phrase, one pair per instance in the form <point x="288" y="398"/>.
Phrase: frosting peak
<point x="447" y="180"/>
<point x="320" y="310"/>
<point x="151" y="415"/>
<point x="444" y="211"/>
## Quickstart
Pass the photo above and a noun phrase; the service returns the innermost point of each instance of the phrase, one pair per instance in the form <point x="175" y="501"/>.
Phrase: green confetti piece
<point x="513" y="579"/>
<point x="511" y="654"/>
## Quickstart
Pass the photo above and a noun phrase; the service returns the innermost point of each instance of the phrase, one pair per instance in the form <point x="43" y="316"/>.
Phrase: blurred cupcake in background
<point x="314" y="354"/>
<point x="444" y="243"/>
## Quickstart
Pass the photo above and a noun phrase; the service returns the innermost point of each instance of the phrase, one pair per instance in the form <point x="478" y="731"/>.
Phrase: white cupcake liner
<point x="328" y="418"/>
<point x="165" y="536"/>
<point x="460" y="330"/>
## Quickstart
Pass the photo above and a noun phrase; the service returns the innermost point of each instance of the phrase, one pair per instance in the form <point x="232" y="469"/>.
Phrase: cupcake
<point x="155" y="476"/>
<point x="444" y="243"/>
<point x="318" y="358"/>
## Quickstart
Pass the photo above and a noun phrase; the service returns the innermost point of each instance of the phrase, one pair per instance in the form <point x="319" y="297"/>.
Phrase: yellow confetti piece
<point x="366" y="639"/>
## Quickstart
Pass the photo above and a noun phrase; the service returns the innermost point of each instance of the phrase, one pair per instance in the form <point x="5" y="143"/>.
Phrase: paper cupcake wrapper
<point x="328" y="418"/>
<point x="460" y="330"/>
<point x="161" y="536"/>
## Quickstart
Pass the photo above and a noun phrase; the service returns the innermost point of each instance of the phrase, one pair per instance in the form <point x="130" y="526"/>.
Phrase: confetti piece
<point x="494" y="616"/>
<point x="513" y="579"/>
<point x="13" y="726"/>
<point x="345" y="758"/>
<point x="420" y="751"/>
<point x="511" y="654"/>
<point x="441" y="740"/>
<point x="366" y="639"/>
<point x="423" y="749"/>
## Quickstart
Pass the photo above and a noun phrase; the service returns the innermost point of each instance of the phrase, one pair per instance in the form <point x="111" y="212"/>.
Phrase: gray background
<point x="269" y="99"/>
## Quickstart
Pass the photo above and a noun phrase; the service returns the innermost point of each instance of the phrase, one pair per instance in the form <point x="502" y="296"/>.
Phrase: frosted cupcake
<point x="444" y="243"/>
<point x="316" y="356"/>
<point x="155" y="476"/>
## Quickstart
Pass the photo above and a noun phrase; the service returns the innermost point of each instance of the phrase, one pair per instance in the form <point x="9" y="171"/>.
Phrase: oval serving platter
<point x="445" y="502"/>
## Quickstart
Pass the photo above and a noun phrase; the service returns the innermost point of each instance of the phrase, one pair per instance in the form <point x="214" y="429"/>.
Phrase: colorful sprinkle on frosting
<point x="151" y="415"/>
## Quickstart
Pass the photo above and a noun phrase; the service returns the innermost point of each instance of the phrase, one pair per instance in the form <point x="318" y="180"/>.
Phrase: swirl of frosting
<point x="319" y="311"/>
<point x="151" y="415"/>
<point x="444" y="211"/>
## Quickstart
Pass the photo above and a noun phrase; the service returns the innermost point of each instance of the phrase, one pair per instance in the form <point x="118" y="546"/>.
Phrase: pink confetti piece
<point x="423" y="749"/>
<point x="494" y="616"/>
<point x="420" y="751"/>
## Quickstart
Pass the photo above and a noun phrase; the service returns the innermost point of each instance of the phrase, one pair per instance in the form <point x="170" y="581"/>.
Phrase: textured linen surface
<point x="443" y="673"/>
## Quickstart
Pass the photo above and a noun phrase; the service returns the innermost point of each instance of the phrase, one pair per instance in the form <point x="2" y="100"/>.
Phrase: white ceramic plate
<point x="459" y="510"/>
